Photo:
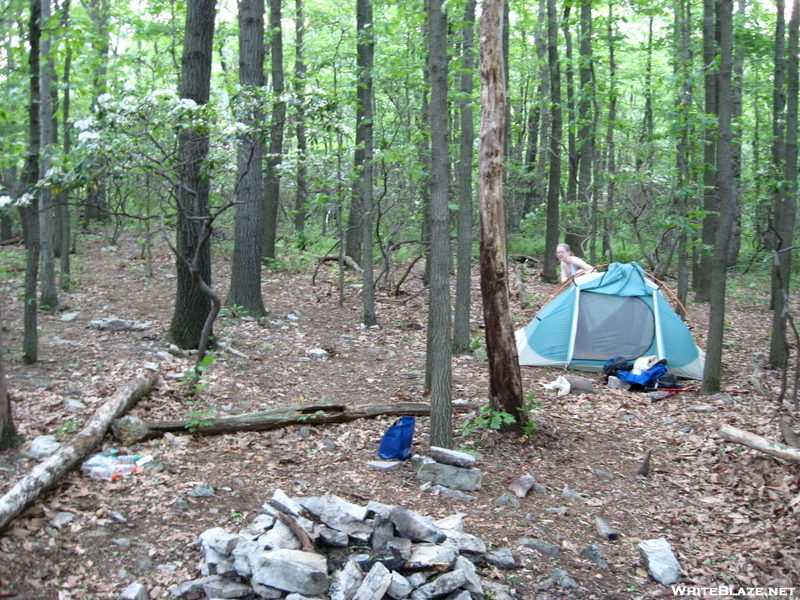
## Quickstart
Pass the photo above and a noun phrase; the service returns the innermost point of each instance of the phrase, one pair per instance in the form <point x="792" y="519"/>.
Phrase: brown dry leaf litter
<point x="732" y="515"/>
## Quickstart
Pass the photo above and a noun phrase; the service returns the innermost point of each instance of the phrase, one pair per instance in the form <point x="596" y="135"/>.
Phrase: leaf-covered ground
<point x="732" y="515"/>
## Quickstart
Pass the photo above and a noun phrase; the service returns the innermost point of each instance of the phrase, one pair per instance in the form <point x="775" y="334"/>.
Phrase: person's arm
<point x="564" y="273"/>
<point x="580" y="264"/>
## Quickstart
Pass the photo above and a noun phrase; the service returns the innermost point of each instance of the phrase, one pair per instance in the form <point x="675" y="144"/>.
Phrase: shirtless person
<point x="570" y="264"/>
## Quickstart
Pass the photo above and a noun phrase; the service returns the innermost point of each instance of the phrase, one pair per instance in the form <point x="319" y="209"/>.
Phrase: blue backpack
<point x="396" y="442"/>
<point x="645" y="378"/>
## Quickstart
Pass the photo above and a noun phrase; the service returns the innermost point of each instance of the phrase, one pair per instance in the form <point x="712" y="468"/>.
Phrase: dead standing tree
<point x="505" y="380"/>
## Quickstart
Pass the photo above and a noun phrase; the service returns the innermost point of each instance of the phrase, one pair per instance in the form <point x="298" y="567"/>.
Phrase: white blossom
<point x="5" y="201"/>
<point x="88" y="136"/>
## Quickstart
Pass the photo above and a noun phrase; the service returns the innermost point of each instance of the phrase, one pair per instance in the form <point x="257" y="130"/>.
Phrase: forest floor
<point x="731" y="514"/>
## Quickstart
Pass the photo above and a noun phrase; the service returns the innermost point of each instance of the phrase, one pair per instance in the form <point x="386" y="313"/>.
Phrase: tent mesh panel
<point x="612" y="326"/>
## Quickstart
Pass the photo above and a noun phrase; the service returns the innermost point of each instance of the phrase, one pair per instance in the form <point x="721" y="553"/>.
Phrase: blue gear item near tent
<point x="644" y="378"/>
<point x="396" y="441"/>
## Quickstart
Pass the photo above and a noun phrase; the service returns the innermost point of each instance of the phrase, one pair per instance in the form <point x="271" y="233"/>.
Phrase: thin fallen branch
<point x="762" y="444"/>
<point x="49" y="471"/>
<point x="277" y="418"/>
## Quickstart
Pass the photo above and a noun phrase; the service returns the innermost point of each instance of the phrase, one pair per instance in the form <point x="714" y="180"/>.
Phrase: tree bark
<point x="300" y="209"/>
<point x="461" y="328"/>
<point x="272" y="186"/>
<point x="49" y="291"/>
<point x="711" y="195"/>
<point x="762" y="444"/>
<point x="245" y="288"/>
<point x="8" y="431"/>
<point x="550" y="272"/>
<point x="192" y="306"/>
<point x="716" y="321"/>
<point x="49" y="471"/>
<point x="277" y="418"/>
<point x="30" y="175"/>
<point x="365" y="125"/>
<point x="586" y="133"/>
<point x="505" y="379"/>
<point x="439" y="349"/>
<point x="785" y="201"/>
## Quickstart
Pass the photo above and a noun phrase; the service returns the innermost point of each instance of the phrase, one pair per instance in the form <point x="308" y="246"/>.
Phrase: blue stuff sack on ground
<point x="396" y="442"/>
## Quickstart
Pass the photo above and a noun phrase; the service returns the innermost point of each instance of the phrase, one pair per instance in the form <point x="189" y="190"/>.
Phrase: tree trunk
<point x="550" y="272"/>
<point x="49" y="291"/>
<point x="245" y="290"/>
<point x="571" y="190"/>
<point x="439" y="344"/>
<point x="366" y="100"/>
<point x="272" y="186"/>
<point x="785" y="205"/>
<point x="505" y="379"/>
<point x="277" y="418"/>
<point x="62" y="200"/>
<point x="735" y="243"/>
<point x="299" y="86"/>
<point x="683" y="71"/>
<point x="611" y="165"/>
<point x="49" y="471"/>
<point x="711" y="200"/>
<point x="30" y="175"/>
<point x="96" y="203"/>
<point x="586" y="132"/>
<point x="8" y="432"/>
<point x="461" y="328"/>
<point x="751" y="440"/>
<point x="716" y="321"/>
<point x="192" y="306"/>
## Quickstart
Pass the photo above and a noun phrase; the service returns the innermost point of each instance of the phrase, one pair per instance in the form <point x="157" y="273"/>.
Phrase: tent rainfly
<point x="621" y="312"/>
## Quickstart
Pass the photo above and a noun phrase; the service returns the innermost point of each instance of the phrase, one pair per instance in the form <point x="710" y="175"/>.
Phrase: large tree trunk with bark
<point x="192" y="306"/>
<point x="785" y="202"/>
<point x="505" y="379"/>
<point x="245" y="290"/>
<point x="49" y="471"/>
<point x="702" y="278"/>
<point x="716" y="322"/>
<point x="272" y="186"/>
<point x="439" y="349"/>
<point x="550" y="272"/>
<point x="461" y="329"/>
<point x="30" y="175"/>
<point x="8" y="432"/>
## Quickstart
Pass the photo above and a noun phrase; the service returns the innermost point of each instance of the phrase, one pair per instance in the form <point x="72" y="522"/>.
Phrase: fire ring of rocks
<point x="324" y="547"/>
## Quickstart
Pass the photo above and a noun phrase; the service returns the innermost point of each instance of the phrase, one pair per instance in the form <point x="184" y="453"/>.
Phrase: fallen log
<point x="762" y="444"/>
<point x="49" y="471"/>
<point x="277" y="418"/>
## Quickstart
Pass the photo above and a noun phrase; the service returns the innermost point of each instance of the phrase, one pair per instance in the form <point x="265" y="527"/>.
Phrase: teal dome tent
<point x="621" y="312"/>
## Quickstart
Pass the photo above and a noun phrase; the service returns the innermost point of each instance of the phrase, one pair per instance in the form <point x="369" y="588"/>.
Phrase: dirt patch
<point x="730" y="514"/>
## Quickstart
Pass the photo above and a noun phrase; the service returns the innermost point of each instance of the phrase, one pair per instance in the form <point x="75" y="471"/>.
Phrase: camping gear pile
<point x="619" y="313"/>
<point x="646" y="373"/>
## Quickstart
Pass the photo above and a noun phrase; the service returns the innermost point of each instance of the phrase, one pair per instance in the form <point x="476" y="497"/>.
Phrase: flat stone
<point x="502" y="558"/>
<point x="454" y="494"/>
<point x="508" y="499"/>
<point x="384" y="465"/>
<point x="449" y="476"/>
<point x="415" y="526"/>
<point x="339" y="515"/>
<point x="541" y="546"/>
<point x="444" y="584"/>
<point x="135" y="591"/>
<point x="42" y="447"/>
<point x="522" y="486"/>
<point x="661" y="563"/>
<point x="593" y="553"/>
<point x="346" y="581"/>
<point x="375" y="584"/>
<point x="701" y="408"/>
<point x="452" y="457"/>
<point x="563" y="579"/>
<point x="292" y="571"/>
<point x="280" y="501"/>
